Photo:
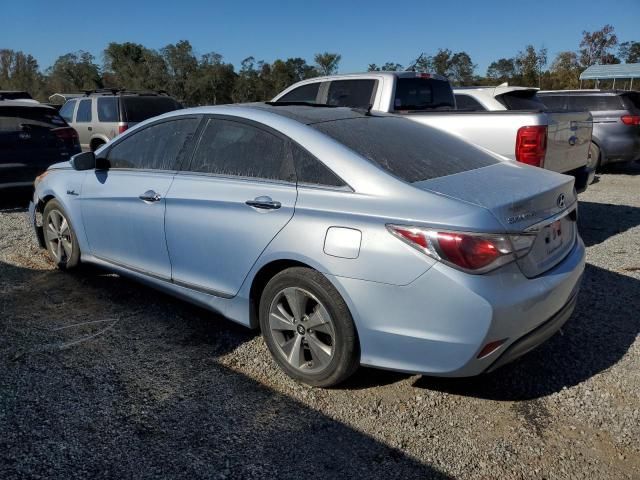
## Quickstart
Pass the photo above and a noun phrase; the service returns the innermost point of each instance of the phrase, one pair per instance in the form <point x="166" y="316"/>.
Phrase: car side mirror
<point x="102" y="163"/>
<point x="84" y="161"/>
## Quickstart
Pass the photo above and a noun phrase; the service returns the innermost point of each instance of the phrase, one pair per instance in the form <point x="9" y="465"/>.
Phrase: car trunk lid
<point x="539" y="203"/>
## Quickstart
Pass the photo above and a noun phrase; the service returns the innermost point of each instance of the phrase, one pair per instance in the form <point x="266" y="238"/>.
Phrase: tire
<point x="96" y="145"/>
<point x="595" y="154"/>
<point x="314" y="342"/>
<point x="59" y="236"/>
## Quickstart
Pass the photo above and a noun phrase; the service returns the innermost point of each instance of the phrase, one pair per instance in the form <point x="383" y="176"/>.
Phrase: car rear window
<point x="596" y="103"/>
<point x="139" y="108"/>
<point x="553" y="102"/>
<point x="410" y="151"/>
<point x="14" y="119"/>
<point x="423" y="94"/>
<point x="15" y="95"/>
<point x="521" y="100"/>
<point x="632" y="100"/>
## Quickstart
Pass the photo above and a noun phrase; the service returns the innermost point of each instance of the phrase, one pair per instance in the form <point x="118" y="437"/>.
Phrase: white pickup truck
<point x="519" y="130"/>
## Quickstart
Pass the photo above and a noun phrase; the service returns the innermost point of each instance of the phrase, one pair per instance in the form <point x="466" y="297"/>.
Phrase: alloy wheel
<point x="58" y="235"/>
<point x="302" y="329"/>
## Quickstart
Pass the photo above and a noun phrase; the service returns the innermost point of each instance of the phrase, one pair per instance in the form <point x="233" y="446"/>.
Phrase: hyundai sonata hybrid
<point x="349" y="238"/>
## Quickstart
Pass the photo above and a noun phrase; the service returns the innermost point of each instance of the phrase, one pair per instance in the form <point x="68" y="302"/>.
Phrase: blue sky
<point x="362" y="31"/>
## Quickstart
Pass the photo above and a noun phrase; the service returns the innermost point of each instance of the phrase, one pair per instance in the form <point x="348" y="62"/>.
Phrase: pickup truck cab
<point x="555" y="141"/>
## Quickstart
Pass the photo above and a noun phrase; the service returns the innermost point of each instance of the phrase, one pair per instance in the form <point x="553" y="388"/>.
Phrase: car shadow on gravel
<point x="599" y="221"/>
<point x="601" y="330"/>
<point x="103" y="377"/>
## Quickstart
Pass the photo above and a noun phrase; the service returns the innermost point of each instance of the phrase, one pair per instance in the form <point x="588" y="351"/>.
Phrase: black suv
<point x="32" y="137"/>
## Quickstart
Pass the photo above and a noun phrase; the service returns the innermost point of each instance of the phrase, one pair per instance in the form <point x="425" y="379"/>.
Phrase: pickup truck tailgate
<point x="568" y="139"/>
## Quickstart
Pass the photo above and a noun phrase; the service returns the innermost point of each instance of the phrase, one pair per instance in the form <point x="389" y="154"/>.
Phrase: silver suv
<point x="101" y="115"/>
<point x="616" y="120"/>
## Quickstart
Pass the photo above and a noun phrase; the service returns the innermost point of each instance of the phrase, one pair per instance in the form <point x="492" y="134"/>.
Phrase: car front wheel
<point x="308" y="327"/>
<point x="59" y="236"/>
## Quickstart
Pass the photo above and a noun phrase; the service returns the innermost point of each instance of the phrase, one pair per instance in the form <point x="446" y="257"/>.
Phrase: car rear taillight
<point x="65" y="133"/>
<point x="630" y="119"/>
<point x="122" y="127"/>
<point x="531" y="145"/>
<point x="471" y="252"/>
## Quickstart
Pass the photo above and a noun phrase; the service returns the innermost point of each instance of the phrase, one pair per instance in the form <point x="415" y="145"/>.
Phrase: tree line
<point x="208" y="79"/>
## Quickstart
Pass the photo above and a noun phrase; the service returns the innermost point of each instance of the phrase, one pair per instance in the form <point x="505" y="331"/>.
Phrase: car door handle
<point x="264" y="203"/>
<point x="150" y="196"/>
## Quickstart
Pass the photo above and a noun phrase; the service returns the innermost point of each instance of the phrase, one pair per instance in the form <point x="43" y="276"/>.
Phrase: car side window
<point x="107" y="109"/>
<point x="66" y="111"/>
<point x="352" y="93"/>
<point x="161" y="146"/>
<point x="304" y="93"/>
<point x="468" y="103"/>
<point x="83" y="115"/>
<point x="312" y="171"/>
<point x="237" y="149"/>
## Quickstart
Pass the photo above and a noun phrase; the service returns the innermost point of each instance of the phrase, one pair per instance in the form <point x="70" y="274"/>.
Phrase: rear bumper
<point x="538" y="336"/>
<point x="620" y="146"/>
<point x="439" y="324"/>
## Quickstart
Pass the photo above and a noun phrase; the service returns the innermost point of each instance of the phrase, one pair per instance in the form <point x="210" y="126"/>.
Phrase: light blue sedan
<point x="349" y="238"/>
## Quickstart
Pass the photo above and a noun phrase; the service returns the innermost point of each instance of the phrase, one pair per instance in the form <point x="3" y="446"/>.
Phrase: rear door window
<point x="422" y="93"/>
<point x="304" y="93"/>
<point x="521" y="100"/>
<point x="83" y="115"/>
<point x="596" y="103"/>
<point x="311" y="171"/>
<point x="405" y="149"/>
<point x="468" y="103"/>
<point x="162" y="146"/>
<point x="66" y="111"/>
<point x="352" y="93"/>
<point x="555" y="103"/>
<point x="139" y="108"/>
<point x="107" y="109"/>
<point x="231" y="148"/>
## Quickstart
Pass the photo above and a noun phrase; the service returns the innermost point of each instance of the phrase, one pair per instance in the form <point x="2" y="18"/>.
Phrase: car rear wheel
<point x="308" y="328"/>
<point x="60" y="239"/>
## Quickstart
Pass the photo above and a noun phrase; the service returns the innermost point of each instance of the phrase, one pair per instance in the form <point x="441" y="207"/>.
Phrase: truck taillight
<point x="630" y="119"/>
<point x="471" y="252"/>
<point x="122" y="127"/>
<point x="531" y="145"/>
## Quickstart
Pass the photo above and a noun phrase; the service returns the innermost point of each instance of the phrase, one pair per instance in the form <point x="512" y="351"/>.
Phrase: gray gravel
<point x="102" y="377"/>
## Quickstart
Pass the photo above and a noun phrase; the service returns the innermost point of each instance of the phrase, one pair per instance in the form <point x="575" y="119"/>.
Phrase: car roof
<point x="595" y="91"/>
<point x="309" y="114"/>
<point x="23" y="103"/>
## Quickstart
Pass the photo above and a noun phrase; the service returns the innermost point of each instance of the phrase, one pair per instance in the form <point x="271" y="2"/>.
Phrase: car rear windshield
<point x="595" y="103"/>
<point x="521" y="100"/>
<point x="423" y="94"/>
<point x="408" y="150"/>
<point x="15" y="95"/>
<point x="139" y="108"/>
<point x="13" y="119"/>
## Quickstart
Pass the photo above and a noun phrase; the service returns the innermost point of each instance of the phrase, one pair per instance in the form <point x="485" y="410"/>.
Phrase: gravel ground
<point x="102" y="377"/>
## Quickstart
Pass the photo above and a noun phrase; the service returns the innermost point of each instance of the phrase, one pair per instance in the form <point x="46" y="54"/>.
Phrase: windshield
<point x="423" y="94"/>
<point x="407" y="150"/>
